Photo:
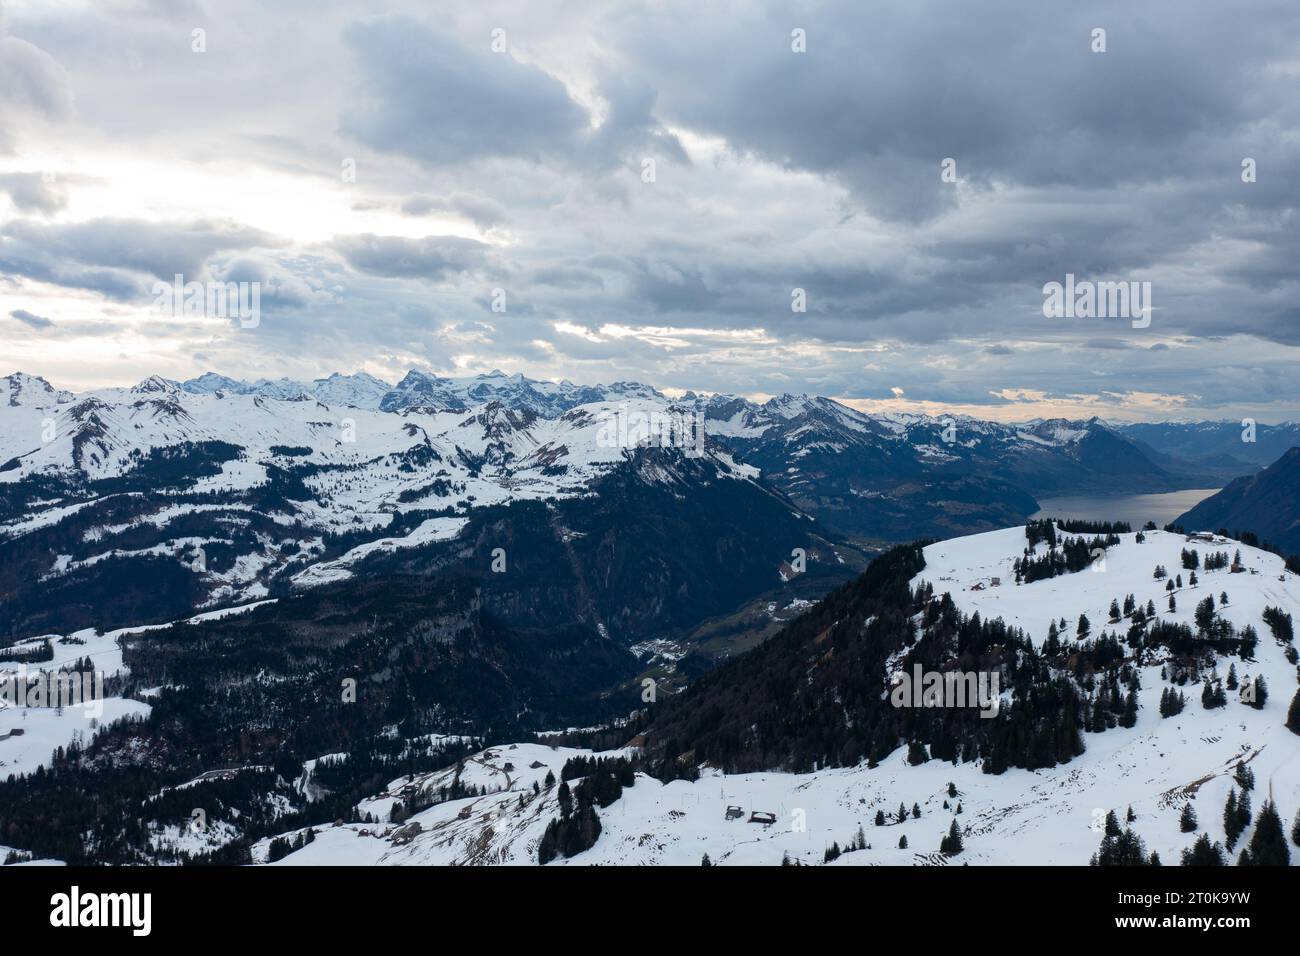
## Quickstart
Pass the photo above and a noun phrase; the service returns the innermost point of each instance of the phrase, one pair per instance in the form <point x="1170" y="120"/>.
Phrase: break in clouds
<point x="653" y="191"/>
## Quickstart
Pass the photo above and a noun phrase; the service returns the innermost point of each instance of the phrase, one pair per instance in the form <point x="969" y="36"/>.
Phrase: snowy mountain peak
<point x="210" y="382"/>
<point x="155" y="385"/>
<point x="31" y="391"/>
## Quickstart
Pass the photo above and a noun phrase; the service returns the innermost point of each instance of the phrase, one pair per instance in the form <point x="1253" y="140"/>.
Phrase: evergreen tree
<point x="1216" y="695"/>
<point x="1231" y="819"/>
<point x="1112" y="824"/>
<point x="951" y="844"/>
<point x="902" y="842"/>
<point x="1204" y="615"/>
<point x="1129" y="717"/>
<point x="1268" y="842"/>
<point x="706" y="861"/>
<point x="1172" y="702"/>
<point x="1187" y="822"/>
<point x="1247" y="642"/>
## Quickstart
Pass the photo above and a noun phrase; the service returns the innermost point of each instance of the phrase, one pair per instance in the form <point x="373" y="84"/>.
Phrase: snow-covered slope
<point x="1049" y="816"/>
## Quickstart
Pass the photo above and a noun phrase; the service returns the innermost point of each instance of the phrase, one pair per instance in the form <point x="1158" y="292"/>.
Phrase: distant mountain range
<point x="424" y="392"/>
<point x="1226" y="449"/>
<point x="142" y="505"/>
<point x="275" y="486"/>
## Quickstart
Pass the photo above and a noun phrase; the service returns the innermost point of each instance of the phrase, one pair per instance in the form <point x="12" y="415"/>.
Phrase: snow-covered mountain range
<point x="424" y="391"/>
<point x="254" y="487"/>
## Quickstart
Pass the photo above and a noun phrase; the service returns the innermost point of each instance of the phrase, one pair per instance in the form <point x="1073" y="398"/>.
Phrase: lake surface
<point x="1137" y="510"/>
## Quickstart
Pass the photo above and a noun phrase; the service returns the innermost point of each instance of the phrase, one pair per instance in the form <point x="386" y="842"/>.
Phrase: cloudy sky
<point x="648" y="183"/>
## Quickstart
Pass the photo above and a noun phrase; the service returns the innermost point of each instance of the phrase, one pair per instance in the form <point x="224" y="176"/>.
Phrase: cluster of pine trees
<point x="1073" y="555"/>
<point x="1078" y="526"/>
<point x="1279" y="622"/>
<point x="280" y="847"/>
<point x="578" y="825"/>
<point x="859" y="842"/>
<point x="1122" y="846"/>
<point x="1172" y="702"/>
